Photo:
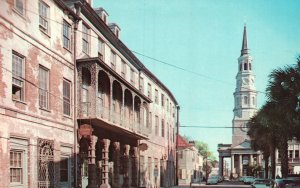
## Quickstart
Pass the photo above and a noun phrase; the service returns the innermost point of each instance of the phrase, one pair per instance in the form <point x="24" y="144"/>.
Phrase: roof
<point x="182" y="142"/>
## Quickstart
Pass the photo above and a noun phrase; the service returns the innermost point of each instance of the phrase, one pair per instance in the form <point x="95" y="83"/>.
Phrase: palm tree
<point x="282" y="92"/>
<point x="262" y="136"/>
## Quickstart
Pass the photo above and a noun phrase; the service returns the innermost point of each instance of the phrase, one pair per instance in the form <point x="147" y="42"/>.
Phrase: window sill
<point x="46" y="110"/>
<point x="69" y="50"/>
<point x="19" y="13"/>
<point x="67" y="116"/>
<point x="19" y="101"/>
<point x="47" y="33"/>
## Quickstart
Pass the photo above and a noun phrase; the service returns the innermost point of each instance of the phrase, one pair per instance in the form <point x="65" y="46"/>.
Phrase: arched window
<point x="245" y="100"/>
<point x="250" y="66"/>
<point x="245" y="66"/>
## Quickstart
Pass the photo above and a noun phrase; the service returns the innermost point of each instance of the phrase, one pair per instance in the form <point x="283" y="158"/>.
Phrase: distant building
<point x="294" y="158"/>
<point x="245" y="106"/>
<point x="190" y="162"/>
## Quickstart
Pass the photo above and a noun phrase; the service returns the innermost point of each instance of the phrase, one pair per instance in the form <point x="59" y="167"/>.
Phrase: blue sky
<point x="205" y="36"/>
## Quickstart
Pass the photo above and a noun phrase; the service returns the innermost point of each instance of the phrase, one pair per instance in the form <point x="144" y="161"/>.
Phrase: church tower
<point x="245" y="102"/>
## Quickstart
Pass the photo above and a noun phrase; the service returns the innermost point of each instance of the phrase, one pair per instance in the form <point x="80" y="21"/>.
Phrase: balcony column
<point x="92" y="170"/>
<point x="134" y="167"/>
<point x="105" y="170"/>
<point x="93" y="90"/>
<point x="116" y="159"/>
<point x="123" y="106"/>
<point x="221" y="166"/>
<point x="132" y="115"/>
<point x="111" y="99"/>
<point x="126" y="166"/>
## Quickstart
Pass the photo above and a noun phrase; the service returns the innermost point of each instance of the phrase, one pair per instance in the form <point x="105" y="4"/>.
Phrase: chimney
<point x="102" y="14"/>
<point x="192" y="143"/>
<point x="115" y="29"/>
<point x="90" y="2"/>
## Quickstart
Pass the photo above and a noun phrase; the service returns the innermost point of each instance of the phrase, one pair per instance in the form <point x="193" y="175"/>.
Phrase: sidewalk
<point x="186" y="186"/>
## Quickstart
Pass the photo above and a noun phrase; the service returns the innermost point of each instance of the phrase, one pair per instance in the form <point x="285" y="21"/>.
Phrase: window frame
<point x="113" y="59"/>
<point x="100" y="48"/>
<point x="67" y="99"/>
<point x="20" y="77"/>
<point x="21" y="167"/>
<point x="16" y="8"/>
<point x="141" y="84"/>
<point x="44" y="104"/>
<point x="66" y="35"/>
<point x="132" y="77"/>
<point x="156" y="125"/>
<point x="123" y="69"/>
<point x="162" y="128"/>
<point x="85" y="39"/>
<point x="156" y="96"/>
<point x="44" y="14"/>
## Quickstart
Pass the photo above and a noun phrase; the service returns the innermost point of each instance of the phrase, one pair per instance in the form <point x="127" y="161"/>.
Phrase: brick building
<point x="77" y="108"/>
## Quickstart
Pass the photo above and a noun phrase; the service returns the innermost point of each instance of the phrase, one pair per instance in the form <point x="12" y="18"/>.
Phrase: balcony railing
<point x="117" y="118"/>
<point x="291" y="160"/>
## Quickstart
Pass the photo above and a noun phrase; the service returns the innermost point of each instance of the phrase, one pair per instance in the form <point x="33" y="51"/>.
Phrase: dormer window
<point x="115" y="29"/>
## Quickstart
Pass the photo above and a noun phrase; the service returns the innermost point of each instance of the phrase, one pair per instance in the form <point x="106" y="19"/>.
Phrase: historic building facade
<point x="77" y="106"/>
<point x="190" y="162"/>
<point x="245" y="106"/>
<point x="36" y="94"/>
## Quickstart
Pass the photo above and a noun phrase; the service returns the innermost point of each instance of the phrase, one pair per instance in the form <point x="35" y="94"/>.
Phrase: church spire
<point x="244" y="45"/>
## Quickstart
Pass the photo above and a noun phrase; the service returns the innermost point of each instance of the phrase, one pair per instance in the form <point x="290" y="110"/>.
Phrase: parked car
<point x="249" y="179"/>
<point x="263" y="183"/>
<point x="288" y="182"/>
<point x="241" y="178"/>
<point x="212" y="180"/>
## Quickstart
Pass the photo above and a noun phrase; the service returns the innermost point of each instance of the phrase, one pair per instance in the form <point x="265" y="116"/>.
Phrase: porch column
<point x="251" y="159"/>
<point x="106" y="143"/>
<point x="241" y="165"/>
<point x="116" y="159"/>
<point x="259" y="159"/>
<point x="92" y="170"/>
<point x="232" y="164"/>
<point x="126" y="166"/>
<point x="134" y="167"/>
<point x="220" y="166"/>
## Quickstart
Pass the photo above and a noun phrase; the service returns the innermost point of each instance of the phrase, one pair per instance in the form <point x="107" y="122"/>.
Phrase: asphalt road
<point x="226" y="184"/>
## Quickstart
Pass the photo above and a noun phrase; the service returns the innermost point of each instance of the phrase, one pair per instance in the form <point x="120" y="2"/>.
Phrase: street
<point x="225" y="184"/>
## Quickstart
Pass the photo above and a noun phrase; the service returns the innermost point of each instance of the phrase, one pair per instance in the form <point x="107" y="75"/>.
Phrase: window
<point x="162" y="100"/>
<point x="150" y="120"/>
<point x="156" y="96"/>
<point x="64" y="169"/>
<point x="66" y="35"/>
<point x="19" y="6"/>
<point x="123" y="71"/>
<point x="250" y="67"/>
<point x="101" y="49"/>
<point x="168" y="105"/>
<point x="44" y="87"/>
<point x="67" y="97"/>
<point x="18" y="83"/>
<point x="245" y="66"/>
<point x="113" y="60"/>
<point x="149" y="90"/>
<point x="290" y="153"/>
<point x="297" y="154"/>
<point x="16" y="166"/>
<point x="162" y="128"/>
<point x="245" y="100"/>
<point x="156" y="125"/>
<point x="44" y="15"/>
<point x="142" y="84"/>
<point x="85" y="39"/>
<point x="132" y="78"/>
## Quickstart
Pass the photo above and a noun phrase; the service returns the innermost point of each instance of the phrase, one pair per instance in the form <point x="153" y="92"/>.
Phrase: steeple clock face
<point x="244" y="127"/>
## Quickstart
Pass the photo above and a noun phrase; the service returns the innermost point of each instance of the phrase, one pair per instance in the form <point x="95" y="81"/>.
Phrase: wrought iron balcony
<point x="113" y="118"/>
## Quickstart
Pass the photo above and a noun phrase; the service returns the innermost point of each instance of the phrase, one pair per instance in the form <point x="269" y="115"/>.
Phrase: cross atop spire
<point x="244" y="45"/>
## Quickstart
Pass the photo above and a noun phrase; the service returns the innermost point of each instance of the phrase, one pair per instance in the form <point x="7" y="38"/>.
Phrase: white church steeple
<point x="245" y="95"/>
